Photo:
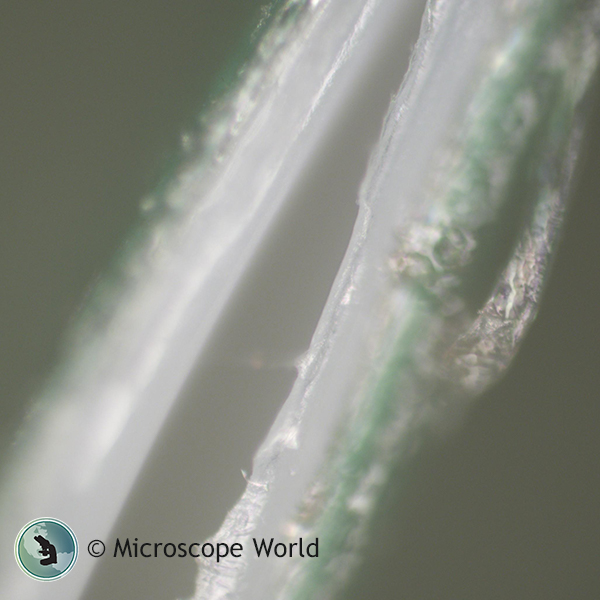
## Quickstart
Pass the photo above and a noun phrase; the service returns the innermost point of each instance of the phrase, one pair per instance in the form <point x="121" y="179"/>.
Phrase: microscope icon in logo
<point x="46" y="549"/>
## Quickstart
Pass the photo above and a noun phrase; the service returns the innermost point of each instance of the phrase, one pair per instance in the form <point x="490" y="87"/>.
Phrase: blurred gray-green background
<point x="95" y="97"/>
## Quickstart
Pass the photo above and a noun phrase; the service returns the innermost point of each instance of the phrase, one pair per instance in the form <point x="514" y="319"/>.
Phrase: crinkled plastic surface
<point x="487" y="112"/>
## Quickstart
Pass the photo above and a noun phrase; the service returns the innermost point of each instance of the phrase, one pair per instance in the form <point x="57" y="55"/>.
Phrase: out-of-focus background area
<point x="95" y="97"/>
